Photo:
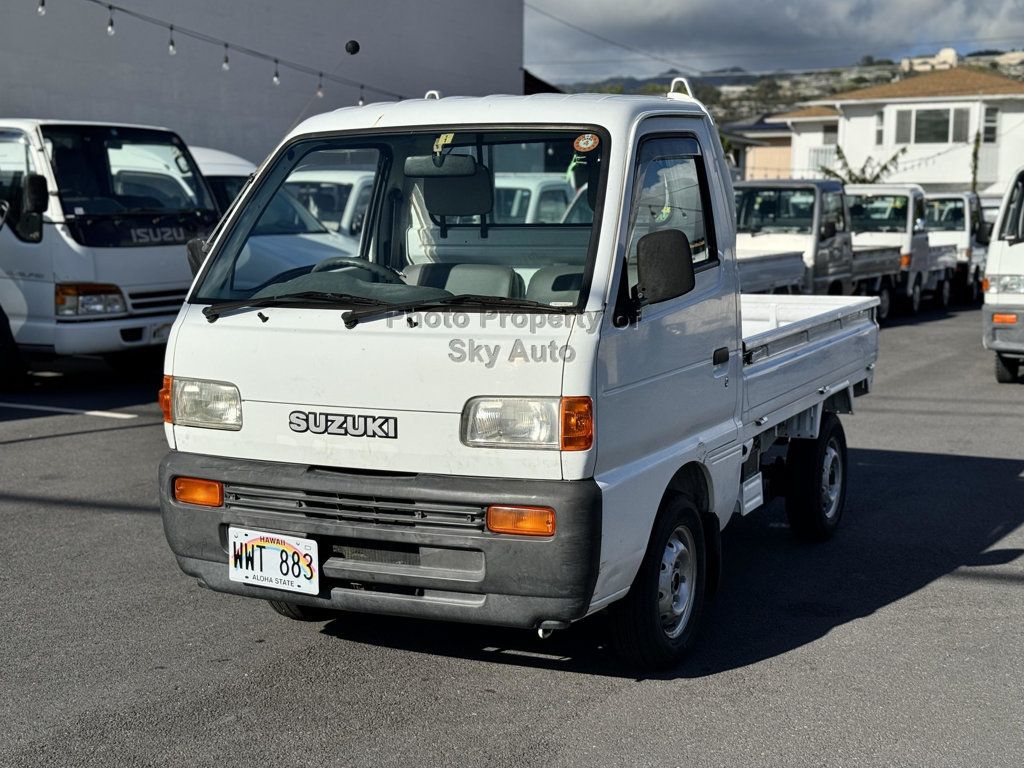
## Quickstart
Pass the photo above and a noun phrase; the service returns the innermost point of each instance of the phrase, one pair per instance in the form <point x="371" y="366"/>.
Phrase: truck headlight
<point x="209" y="404"/>
<point x="548" y="423"/>
<point x="1006" y="284"/>
<point x="78" y="299"/>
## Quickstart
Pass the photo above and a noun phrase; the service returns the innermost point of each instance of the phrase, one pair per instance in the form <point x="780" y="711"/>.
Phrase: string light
<point x="320" y="85"/>
<point x="110" y="21"/>
<point x="41" y="10"/>
<point x="276" y="79"/>
<point x="362" y="101"/>
<point x="225" y="65"/>
<point x="171" y="48"/>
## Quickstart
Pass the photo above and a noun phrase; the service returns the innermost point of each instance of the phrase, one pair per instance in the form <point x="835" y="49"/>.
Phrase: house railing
<point x="818" y="157"/>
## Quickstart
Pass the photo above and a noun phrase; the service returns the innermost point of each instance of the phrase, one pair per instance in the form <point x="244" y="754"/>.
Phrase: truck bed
<point x="875" y="261"/>
<point x="800" y="350"/>
<point x="767" y="271"/>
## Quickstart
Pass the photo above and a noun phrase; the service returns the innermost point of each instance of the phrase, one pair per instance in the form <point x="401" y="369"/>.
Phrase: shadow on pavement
<point x="911" y="518"/>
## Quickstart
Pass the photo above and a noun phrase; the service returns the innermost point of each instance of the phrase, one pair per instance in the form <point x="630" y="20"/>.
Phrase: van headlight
<point x="1006" y="284"/>
<point x="547" y="423"/>
<point x="208" y="404"/>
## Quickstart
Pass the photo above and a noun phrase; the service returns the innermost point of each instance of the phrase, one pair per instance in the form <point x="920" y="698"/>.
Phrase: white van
<point x="1003" y="313"/>
<point x="91" y="256"/>
<point x="224" y="172"/>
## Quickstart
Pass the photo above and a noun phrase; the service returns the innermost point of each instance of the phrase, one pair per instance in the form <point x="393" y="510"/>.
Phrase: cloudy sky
<point x="758" y="36"/>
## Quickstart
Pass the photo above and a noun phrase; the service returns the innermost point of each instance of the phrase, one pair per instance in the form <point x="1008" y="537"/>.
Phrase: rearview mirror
<point x="426" y="166"/>
<point x="664" y="264"/>
<point x="37" y="194"/>
<point x="828" y="230"/>
<point x="920" y="225"/>
<point x="195" y="250"/>
<point x="984" y="232"/>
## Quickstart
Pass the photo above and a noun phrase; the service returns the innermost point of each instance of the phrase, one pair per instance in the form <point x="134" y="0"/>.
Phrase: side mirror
<point x="984" y="232"/>
<point x="196" y="252"/>
<point x="920" y="225"/>
<point x="828" y="230"/>
<point x="664" y="264"/>
<point x="357" y="223"/>
<point x="36" y="194"/>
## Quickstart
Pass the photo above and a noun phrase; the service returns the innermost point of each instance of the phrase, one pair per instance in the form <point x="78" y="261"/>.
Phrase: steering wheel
<point x="334" y="262"/>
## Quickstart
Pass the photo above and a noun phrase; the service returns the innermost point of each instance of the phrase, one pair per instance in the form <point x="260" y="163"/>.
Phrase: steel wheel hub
<point x="676" y="578"/>
<point x="831" y="480"/>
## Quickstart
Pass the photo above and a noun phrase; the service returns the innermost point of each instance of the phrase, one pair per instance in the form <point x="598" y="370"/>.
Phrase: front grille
<point x="365" y="509"/>
<point x="156" y="302"/>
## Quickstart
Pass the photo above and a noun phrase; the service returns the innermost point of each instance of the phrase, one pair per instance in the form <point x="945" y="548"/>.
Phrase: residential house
<point x="933" y="118"/>
<point x="761" y="150"/>
<point x="946" y="58"/>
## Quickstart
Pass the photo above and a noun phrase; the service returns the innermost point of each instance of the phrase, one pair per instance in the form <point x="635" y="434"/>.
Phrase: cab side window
<point x="1011" y="228"/>
<point x="832" y="210"/>
<point x="670" y="191"/>
<point x="15" y="164"/>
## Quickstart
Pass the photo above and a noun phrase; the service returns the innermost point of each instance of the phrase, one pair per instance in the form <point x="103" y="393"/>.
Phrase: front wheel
<point x="884" y="303"/>
<point x="1006" y="369"/>
<point x="912" y="303"/>
<point x="943" y="291"/>
<point x="657" y="622"/>
<point x="298" y="612"/>
<point x="816" y="481"/>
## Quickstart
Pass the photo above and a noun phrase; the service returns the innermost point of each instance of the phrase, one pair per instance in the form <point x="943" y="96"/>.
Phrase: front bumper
<point x="398" y="544"/>
<point x="91" y="337"/>
<point x="1004" y="338"/>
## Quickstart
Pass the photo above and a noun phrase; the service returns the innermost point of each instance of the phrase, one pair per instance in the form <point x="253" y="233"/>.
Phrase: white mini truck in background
<point x="515" y="424"/>
<point x="1003" y="312"/>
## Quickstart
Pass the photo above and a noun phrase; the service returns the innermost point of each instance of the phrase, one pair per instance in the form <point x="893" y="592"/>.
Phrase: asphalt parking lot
<point x="899" y="642"/>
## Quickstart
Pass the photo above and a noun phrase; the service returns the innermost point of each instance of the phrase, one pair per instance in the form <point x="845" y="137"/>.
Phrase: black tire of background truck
<point x="302" y="612"/>
<point x="816" y="475"/>
<point x="974" y="289"/>
<point x="884" y="303"/>
<point x="638" y="622"/>
<point x="1006" y="369"/>
<point x="911" y="305"/>
<point x="13" y="369"/>
<point x="943" y="293"/>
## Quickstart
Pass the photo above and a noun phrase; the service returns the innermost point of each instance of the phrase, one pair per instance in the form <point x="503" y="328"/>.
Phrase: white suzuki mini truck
<point x="92" y="222"/>
<point x="518" y="424"/>
<point x="955" y="219"/>
<point x="1003" y="311"/>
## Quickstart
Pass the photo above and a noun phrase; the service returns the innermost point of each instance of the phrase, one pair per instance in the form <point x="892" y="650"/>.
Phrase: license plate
<point x="162" y="332"/>
<point x="273" y="560"/>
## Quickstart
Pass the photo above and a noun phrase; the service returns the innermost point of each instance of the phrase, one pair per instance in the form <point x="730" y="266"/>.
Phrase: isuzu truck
<point x="514" y="424"/>
<point x="93" y="218"/>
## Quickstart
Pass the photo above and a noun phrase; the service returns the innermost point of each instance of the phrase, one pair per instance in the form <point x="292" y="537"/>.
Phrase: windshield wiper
<point x="214" y="311"/>
<point x="353" y="316"/>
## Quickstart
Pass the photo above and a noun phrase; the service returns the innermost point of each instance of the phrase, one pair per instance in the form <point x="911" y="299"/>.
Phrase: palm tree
<point x="869" y="173"/>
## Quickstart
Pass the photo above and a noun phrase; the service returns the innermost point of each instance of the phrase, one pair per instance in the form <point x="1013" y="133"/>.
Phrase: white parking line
<point x="55" y="409"/>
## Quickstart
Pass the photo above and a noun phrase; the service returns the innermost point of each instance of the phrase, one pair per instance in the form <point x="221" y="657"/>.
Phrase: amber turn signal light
<point x="204" y="493"/>
<point x="904" y="260"/>
<point x="985" y="284"/>
<point x="525" y="521"/>
<point x="164" y="398"/>
<point x="1004" y="318"/>
<point x="577" y="423"/>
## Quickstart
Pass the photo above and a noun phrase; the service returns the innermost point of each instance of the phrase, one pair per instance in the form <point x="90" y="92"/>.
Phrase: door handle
<point x="720" y="356"/>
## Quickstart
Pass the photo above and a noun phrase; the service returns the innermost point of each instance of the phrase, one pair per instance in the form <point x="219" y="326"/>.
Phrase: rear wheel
<point x="298" y="612"/>
<point x="816" y="481"/>
<point x="1006" y="369"/>
<point x="657" y="622"/>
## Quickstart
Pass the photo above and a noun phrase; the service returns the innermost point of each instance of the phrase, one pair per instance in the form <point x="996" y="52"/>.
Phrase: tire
<point x="816" y="472"/>
<point x="657" y="622"/>
<point x="943" y="292"/>
<point x="1006" y="369"/>
<point x="298" y="612"/>
<point x="974" y="290"/>
<point x="912" y="303"/>
<point x="884" y="303"/>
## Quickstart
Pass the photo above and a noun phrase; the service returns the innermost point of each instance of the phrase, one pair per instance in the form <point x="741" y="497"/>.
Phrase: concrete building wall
<point x="64" y="65"/>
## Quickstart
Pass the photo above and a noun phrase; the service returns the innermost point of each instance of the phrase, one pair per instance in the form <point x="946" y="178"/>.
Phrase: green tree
<point x="870" y="172"/>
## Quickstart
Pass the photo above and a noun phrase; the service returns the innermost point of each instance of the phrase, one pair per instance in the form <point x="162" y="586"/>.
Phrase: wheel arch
<point x="694" y="480"/>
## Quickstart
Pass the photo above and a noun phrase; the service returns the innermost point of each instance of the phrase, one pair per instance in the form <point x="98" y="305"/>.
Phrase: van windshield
<point x="127" y="186"/>
<point x="418" y="215"/>
<point x="775" y="210"/>
<point x="879" y="213"/>
<point x="945" y="214"/>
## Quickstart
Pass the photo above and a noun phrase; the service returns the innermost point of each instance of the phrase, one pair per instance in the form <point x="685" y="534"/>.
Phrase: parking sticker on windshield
<point x="586" y="142"/>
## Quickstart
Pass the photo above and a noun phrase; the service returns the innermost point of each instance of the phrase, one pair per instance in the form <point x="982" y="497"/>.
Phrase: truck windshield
<point x="775" y="210"/>
<point x="421" y="219"/>
<point x="945" y="214"/>
<point x="879" y="213"/>
<point x="123" y="186"/>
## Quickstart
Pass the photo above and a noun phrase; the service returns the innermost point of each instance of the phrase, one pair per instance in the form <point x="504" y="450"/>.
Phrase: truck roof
<point x="612" y="111"/>
<point x="30" y="123"/>
<point x="885" y="189"/>
<point x="825" y="185"/>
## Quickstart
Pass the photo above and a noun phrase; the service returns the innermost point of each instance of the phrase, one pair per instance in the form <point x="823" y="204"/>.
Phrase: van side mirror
<point x="985" y="232"/>
<point x="920" y="225"/>
<point x="195" y="250"/>
<point x="664" y="264"/>
<point x="36" y="194"/>
<point x="828" y="230"/>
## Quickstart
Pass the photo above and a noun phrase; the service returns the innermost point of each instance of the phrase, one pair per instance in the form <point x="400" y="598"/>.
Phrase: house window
<point x="931" y="126"/>
<point x="879" y="127"/>
<point x="991" y="125"/>
<point x="961" y="117"/>
<point x="830" y="135"/>
<point x="903" y="119"/>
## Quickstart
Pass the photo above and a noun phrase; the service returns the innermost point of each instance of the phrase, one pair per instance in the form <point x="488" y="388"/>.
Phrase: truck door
<point x="834" y="243"/>
<point x="26" y="277"/>
<point x="671" y="379"/>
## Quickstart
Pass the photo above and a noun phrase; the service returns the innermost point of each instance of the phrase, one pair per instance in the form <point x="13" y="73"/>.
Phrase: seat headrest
<point x="557" y="285"/>
<point x="460" y="195"/>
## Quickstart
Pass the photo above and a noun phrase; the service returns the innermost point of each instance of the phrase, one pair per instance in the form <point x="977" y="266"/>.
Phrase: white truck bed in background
<point x="799" y="350"/>
<point x="765" y="271"/>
